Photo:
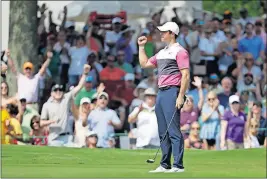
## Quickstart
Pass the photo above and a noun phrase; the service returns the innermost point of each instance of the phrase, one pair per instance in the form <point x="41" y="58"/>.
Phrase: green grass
<point x="46" y="162"/>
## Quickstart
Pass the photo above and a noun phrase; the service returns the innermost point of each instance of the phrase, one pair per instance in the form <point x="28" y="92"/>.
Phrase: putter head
<point x="150" y="161"/>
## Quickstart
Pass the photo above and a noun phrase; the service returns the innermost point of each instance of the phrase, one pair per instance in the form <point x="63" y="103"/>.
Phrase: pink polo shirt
<point x="169" y="61"/>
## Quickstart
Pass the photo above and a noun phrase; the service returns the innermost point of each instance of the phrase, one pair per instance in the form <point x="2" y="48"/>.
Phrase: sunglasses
<point x="58" y="89"/>
<point x="195" y="128"/>
<point x="103" y="97"/>
<point x="254" y="126"/>
<point x="211" y="99"/>
<point x="235" y="102"/>
<point x="37" y="122"/>
<point x="28" y="68"/>
<point x="3" y="87"/>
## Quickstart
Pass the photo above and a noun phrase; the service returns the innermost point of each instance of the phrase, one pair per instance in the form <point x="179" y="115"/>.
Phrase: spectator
<point x="208" y="50"/>
<point x="123" y="44"/>
<point x="227" y="92"/>
<point x="250" y="67"/>
<point x="252" y="44"/>
<point x="28" y="87"/>
<point x="39" y="131"/>
<point x="251" y="140"/>
<point x="110" y="72"/>
<point x="145" y="117"/>
<point x="103" y="121"/>
<point x="124" y="93"/>
<point x="189" y="113"/>
<point x="125" y="66"/>
<point x="139" y="94"/>
<point x="81" y="122"/>
<point x="239" y="32"/>
<point x="78" y="55"/>
<point x="193" y="141"/>
<point x="86" y="91"/>
<point x="5" y="98"/>
<point x="244" y="17"/>
<point x="183" y="38"/>
<point x="151" y="80"/>
<point x="218" y="35"/>
<point x="58" y="108"/>
<point x="234" y="126"/>
<point x="211" y="114"/>
<point x="255" y="114"/>
<point x="214" y="83"/>
<point x="91" y="140"/>
<point x="92" y="60"/>
<point x="259" y="31"/>
<point x="113" y="36"/>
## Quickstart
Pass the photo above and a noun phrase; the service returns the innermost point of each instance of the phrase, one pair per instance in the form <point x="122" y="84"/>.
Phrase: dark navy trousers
<point x="173" y="142"/>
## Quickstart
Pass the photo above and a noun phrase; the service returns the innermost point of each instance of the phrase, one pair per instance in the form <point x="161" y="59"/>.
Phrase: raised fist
<point x="49" y="55"/>
<point x="142" y="41"/>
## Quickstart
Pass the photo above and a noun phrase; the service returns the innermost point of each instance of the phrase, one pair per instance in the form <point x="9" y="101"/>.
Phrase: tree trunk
<point x="22" y="43"/>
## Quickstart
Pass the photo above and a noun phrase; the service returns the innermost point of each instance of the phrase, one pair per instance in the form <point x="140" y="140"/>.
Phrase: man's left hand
<point x="179" y="102"/>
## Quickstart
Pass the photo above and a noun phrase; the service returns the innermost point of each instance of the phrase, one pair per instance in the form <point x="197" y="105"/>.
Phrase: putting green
<point x="46" y="162"/>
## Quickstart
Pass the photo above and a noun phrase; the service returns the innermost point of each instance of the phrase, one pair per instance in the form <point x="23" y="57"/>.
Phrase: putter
<point x="153" y="160"/>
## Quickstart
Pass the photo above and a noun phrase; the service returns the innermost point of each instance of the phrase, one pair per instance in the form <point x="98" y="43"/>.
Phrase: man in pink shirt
<point x="172" y="63"/>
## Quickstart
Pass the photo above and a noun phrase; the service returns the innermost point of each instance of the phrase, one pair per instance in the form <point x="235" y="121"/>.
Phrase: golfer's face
<point x="165" y="36"/>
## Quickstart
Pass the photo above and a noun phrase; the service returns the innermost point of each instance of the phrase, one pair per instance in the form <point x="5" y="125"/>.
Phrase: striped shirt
<point x="169" y="61"/>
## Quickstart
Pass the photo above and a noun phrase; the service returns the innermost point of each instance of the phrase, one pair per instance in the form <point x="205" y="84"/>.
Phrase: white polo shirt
<point x="147" y="127"/>
<point x="28" y="87"/>
<point x="208" y="46"/>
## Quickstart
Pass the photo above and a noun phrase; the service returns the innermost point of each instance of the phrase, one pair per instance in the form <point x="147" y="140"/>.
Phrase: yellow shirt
<point x="4" y="116"/>
<point x="15" y="129"/>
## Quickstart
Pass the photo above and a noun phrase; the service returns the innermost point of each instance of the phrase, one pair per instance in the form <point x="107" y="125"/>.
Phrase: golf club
<point x="153" y="160"/>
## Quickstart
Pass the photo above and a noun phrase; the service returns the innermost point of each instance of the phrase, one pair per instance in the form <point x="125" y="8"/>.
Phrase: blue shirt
<point x="253" y="45"/>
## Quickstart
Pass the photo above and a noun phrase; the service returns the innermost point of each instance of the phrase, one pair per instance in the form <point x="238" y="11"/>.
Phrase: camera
<point x="3" y="58"/>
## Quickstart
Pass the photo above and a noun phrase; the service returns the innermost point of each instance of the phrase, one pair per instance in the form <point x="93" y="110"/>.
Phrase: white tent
<point x="79" y="11"/>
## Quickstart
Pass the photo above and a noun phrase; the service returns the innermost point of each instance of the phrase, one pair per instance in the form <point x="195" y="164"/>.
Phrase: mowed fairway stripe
<point x="33" y="161"/>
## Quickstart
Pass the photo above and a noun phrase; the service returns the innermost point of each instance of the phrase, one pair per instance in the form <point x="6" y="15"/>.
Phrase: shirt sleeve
<point x="262" y="47"/>
<point x="153" y="60"/>
<point x="225" y="116"/>
<point x="240" y="48"/>
<point x="135" y="111"/>
<point x="201" y="45"/>
<point x="182" y="59"/>
<point x="44" y="113"/>
<point x="115" y="119"/>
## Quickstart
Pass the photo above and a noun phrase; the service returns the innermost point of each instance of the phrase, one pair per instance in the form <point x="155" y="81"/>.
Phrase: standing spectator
<point x="103" y="121"/>
<point x="86" y="91"/>
<point x="208" y="50"/>
<point x="92" y="60"/>
<point x="239" y="32"/>
<point x="227" y="92"/>
<point x="147" y="126"/>
<point x="39" y="131"/>
<point x="234" y="126"/>
<point x="250" y="67"/>
<point x="244" y="19"/>
<point x="28" y="87"/>
<point x="252" y="44"/>
<point x="251" y="140"/>
<point x="110" y="72"/>
<point x="218" y="35"/>
<point x="211" y="114"/>
<point x="125" y="66"/>
<point x="183" y="38"/>
<point x="259" y="31"/>
<point x="123" y="44"/>
<point x="81" y="122"/>
<point x="193" y="141"/>
<point x="5" y="98"/>
<point x="189" y="113"/>
<point x="113" y="36"/>
<point x="58" y="108"/>
<point x="78" y="55"/>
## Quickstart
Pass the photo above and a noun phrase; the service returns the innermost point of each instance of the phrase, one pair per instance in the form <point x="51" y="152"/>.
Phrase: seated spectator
<point x="86" y="91"/>
<point x="193" y="141"/>
<point x="147" y="126"/>
<point x="227" y="92"/>
<point x="81" y="122"/>
<point x="214" y="83"/>
<point x="39" y="131"/>
<point x="211" y="114"/>
<point x="190" y="113"/>
<point x="123" y="44"/>
<point x="218" y="35"/>
<point x="250" y="67"/>
<point x="252" y="44"/>
<point x="110" y="72"/>
<point x="125" y="66"/>
<point x="96" y="68"/>
<point x="139" y="94"/>
<point x="251" y="140"/>
<point x="91" y="140"/>
<point x="151" y="80"/>
<point x="259" y="31"/>
<point x="13" y="128"/>
<point x="234" y="126"/>
<point x="58" y="108"/>
<point x="28" y="83"/>
<point x="103" y="121"/>
<point x="78" y="55"/>
<point x="4" y="117"/>
<point x="124" y="93"/>
<point x="5" y="98"/>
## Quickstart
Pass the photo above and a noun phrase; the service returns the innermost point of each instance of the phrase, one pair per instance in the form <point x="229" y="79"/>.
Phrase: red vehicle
<point x="105" y="20"/>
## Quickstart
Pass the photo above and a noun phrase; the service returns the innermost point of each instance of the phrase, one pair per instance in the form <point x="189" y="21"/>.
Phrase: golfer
<point x="172" y="63"/>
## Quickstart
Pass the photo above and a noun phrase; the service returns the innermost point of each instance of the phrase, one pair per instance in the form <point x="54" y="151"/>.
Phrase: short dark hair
<point x="81" y="37"/>
<point x="249" y="23"/>
<point x="174" y="34"/>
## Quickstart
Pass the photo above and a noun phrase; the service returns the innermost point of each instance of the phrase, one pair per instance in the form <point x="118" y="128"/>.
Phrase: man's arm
<point x="77" y="88"/>
<point x="46" y="63"/>
<point x="143" y="59"/>
<point x="185" y="81"/>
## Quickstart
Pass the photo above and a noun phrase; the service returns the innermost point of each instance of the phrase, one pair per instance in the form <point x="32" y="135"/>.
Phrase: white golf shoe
<point x="160" y="169"/>
<point x="175" y="170"/>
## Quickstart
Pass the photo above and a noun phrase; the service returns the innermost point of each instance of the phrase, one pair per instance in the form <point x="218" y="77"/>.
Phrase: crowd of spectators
<point x="89" y="87"/>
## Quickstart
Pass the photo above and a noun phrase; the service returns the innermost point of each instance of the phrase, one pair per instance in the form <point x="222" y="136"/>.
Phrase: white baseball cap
<point x="90" y="133"/>
<point x="234" y="98"/>
<point x="150" y="91"/>
<point x="85" y="100"/>
<point x="103" y="94"/>
<point x="116" y="20"/>
<point x="169" y="26"/>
